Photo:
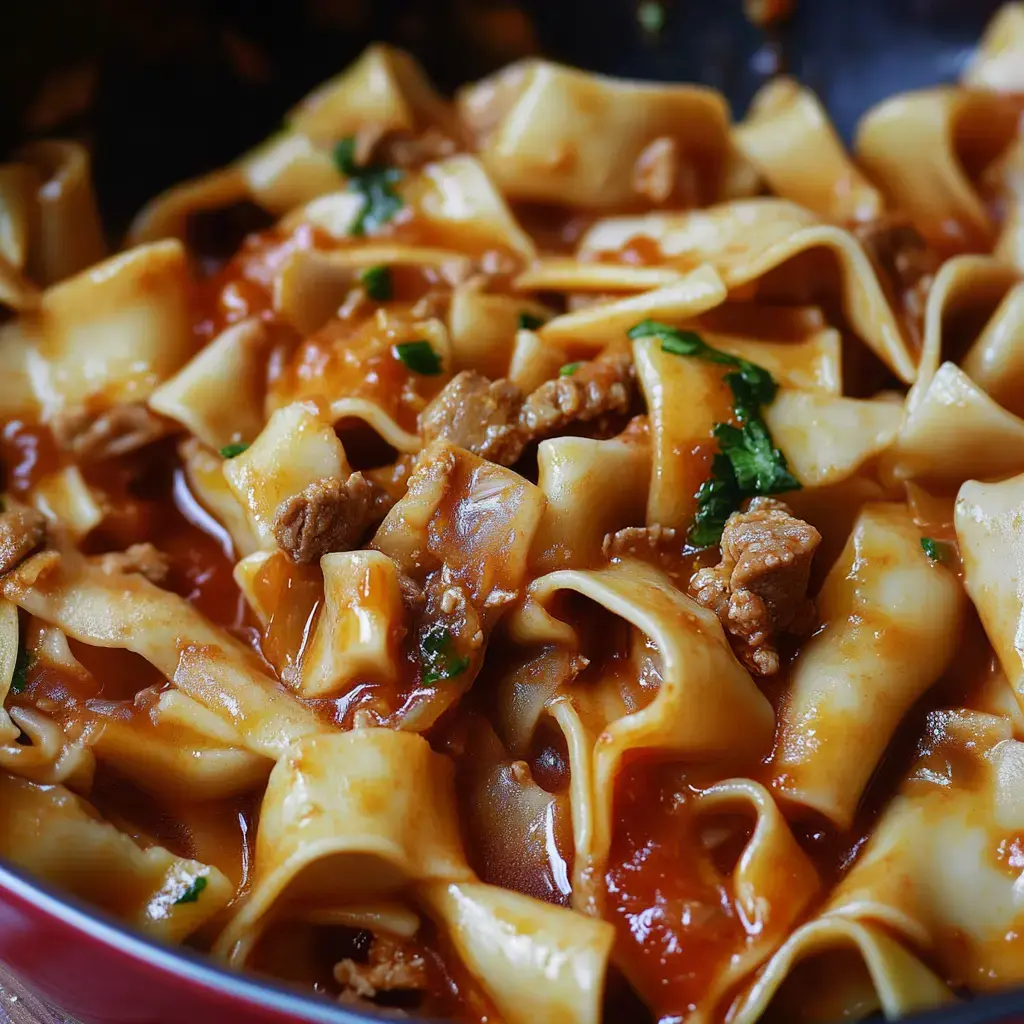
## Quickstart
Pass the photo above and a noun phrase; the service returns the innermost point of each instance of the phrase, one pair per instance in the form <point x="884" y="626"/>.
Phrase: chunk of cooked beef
<point x="905" y="263"/>
<point x="597" y="387"/>
<point x="22" y="531"/>
<point x="640" y="541"/>
<point x="493" y="420"/>
<point x="91" y="437"/>
<point x="140" y="558"/>
<point x="759" y="588"/>
<point x="329" y="514"/>
<point x="476" y="414"/>
<point x="391" y="966"/>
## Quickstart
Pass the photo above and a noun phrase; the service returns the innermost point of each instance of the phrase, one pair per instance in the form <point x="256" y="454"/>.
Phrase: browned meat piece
<point x="391" y="966"/>
<point x="477" y="414"/>
<point x="408" y="151"/>
<point x="117" y="431"/>
<point x="493" y="420"/>
<point x="328" y="515"/>
<point x="412" y="593"/>
<point x="759" y="589"/>
<point x="140" y="558"/>
<point x="654" y="174"/>
<point x="22" y="530"/>
<point x="905" y="263"/>
<point x="639" y="541"/>
<point x="600" y="386"/>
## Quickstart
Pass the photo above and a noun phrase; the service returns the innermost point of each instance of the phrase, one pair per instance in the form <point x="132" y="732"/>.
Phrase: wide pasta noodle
<point x="891" y="620"/>
<point x="788" y="138"/>
<point x="936" y="192"/>
<point x="58" y="836"/>
<point x="746" y="239"/>
<point x="695" y="668"/>
<point x="562" y="564"/>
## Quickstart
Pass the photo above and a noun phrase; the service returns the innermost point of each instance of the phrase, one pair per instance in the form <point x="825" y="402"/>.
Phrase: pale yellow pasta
<point x="787" y="136"/>
<point x="551" y="133"/>
<point x="891" y="619"/>
<point x="57" y="835"/>
<point x="827" y="439"/>
<point x="194" y="396"/>
<point x="745" y="239"/>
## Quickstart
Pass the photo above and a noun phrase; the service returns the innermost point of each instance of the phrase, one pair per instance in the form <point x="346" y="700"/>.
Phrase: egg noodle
<point x="564" y="565"/>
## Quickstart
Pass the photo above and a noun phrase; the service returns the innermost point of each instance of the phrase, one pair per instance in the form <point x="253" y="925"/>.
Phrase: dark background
<point x="165" y="89"/>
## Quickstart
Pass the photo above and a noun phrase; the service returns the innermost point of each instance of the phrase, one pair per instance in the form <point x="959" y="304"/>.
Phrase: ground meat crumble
<point x="759" y="588"/>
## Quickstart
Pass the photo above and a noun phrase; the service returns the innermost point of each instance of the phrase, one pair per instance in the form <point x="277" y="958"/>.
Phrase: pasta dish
<point x="549" y="555"/>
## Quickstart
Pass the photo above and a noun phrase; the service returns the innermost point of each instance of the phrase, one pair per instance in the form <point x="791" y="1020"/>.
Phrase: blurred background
<point x="166" y="89"/>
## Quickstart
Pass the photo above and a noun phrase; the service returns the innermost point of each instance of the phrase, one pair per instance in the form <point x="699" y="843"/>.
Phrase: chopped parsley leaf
<point x="374" y="183"/>
<point x="229" y="451"/>
<point x="651" y="16"/>
<point x="718" y="497"/>
<point x="419" y="357"/>
<point x="529" y="322"/>
<point x="438" y="657"/>
<point x="191" y="894"/>
<point x="22" y="665"/>
<point x="569" y="369"/>
<point x="345" y="157"/>
<point x="748" y="464"/>
<point x="751" y="384"/>
<point x="757" y="467"/>
<point x="936" y="550"/>
<point x="377" y="283"/>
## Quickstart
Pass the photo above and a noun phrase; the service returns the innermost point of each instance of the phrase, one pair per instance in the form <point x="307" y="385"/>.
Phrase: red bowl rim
<point x="260" y="993"/>
<point x="178" y="962"/>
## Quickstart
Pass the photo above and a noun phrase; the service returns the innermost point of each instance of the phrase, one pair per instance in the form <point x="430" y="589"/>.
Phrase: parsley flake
<point x="229" y="451"/>
<point x="419" y="357"/>
<point x="374" y="183"/>
<point x="569" y="369"/>
<point x="191" y="894"/>
<point x="437" y="656"/>
<point x="529" y="322"/>
<point x="651" y="16"/>
<point x="936" y="550"/>
<point x="376" y="281"/>
<point x="748" y="464"/>
<point x="718" y="497"/>
<point x="758" y="467"/>
<point x="24" y="662"/>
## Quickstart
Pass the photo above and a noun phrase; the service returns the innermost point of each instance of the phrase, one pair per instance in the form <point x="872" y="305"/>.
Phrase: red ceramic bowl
<point x="100" y="972"/>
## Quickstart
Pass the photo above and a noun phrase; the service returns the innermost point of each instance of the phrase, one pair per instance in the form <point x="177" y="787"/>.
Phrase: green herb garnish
<point x="936" y="550"/>
<point x="529" y="322"/>
<point x="374" y="183"/>
<point x="569" y="369"/>
<point x="191" y="894"/>
<point x="377" y="283"/>
<point x="757" y="467"/>
<point x="438" y="657"/>
<point x="651" y="16"/>
<point x="419" y="357"/>
<point x="229" y="451"/>
<point x="718" y="497"/>
<point x="751" y="384"/>
<point x="748" y="464"/>
<point x="23" y="663"/>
